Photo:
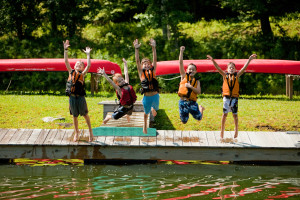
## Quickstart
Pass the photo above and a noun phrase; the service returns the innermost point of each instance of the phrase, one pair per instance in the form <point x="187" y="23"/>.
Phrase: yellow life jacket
<point x="231" y="85"/>
<point x="187" y="92"/>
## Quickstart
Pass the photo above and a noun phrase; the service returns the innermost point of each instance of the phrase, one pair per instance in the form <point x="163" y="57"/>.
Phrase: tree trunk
<point x="265" y="25"/>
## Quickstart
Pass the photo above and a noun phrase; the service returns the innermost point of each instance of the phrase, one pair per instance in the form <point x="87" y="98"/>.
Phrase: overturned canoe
<point x="54" y="64"/>
<point x="255" y="66"/>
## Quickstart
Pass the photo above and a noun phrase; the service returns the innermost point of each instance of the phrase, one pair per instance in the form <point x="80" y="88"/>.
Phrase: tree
<point x="20" y="17"/>
<point x="166" y="14"/>
<point x="262" y="10"/>
<point x="68" y="16"/>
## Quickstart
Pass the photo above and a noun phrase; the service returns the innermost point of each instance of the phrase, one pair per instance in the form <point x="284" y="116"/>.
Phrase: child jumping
<point x="125" y="94"/>
<point x="189" y="88"/>
<point x="76" y="91"/>
<point x="230" y="91"/>
<point x="147" y="74"/>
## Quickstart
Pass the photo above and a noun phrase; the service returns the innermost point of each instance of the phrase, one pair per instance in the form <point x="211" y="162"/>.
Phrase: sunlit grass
<point x="256" y="113"/>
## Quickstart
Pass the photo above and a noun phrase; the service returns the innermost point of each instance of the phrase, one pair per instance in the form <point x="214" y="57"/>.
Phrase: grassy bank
<point x="267" y="113"/>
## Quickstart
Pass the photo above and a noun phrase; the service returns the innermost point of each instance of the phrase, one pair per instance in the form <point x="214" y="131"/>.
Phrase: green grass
<point x="256" y="113"/>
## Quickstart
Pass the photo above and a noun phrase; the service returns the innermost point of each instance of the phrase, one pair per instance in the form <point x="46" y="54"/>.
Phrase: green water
<point x="150" y="181"/>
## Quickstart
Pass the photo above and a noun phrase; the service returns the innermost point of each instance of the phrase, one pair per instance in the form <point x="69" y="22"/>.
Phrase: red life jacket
<point x="128" y="95"/>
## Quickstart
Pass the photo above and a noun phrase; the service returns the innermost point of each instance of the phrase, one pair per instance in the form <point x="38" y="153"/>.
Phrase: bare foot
<point x="91" y="138"/>
<point x="75" y="137"/>
<point x="236" y="134"/>
<point x="201" y="108"/>
<point x="106" y="120"/>
<point x="222" y="134"/>
<point x="128" y="118"/>
<point x="154" y="113"/>
<point x="145" y="130"/>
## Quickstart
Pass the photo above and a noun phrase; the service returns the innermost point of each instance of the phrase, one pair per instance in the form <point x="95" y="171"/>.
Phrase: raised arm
<point x="216" y="65"/>
<point x="102" y="72"/>
<point x="87" y="51"/>
<point x="253" y="56"/>
<point x="154" y="63"/>
<point x="181" y="67"/>
<point x="126" y="71"/>
<point x="66" y="46"/>
<point x="137" y="45"/>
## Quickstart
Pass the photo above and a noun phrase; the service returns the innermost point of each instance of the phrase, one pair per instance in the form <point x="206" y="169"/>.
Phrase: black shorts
<point x="121" y="111"/>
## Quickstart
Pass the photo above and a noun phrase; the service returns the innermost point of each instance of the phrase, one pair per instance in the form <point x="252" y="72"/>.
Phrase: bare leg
<point x="128" y="118"/>
<point x="145" y="123"/>
<point x="75" y="121"/>
<point x="223" y="124"/>
<point x="201" y="108"/>
<point x="107" y="118"/>
<point x="87" y="119"/>
<point x="236" y="124"/>
<point x="154" y="113"/>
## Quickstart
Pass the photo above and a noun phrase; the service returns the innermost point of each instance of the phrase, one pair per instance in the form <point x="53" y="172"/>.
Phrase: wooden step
<point x="136" y="120"/>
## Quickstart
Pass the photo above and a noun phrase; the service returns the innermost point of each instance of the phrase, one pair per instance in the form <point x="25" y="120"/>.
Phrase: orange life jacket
<point x="187" y="92"/>
<point x="231" y="85"/>
<point x="149" y="82"/>
<point x="77" y="80"/>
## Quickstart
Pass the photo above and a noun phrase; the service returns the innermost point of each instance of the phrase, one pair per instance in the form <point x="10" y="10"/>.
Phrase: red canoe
<point x="54" y="64"/>
<point x="255" y="66"/>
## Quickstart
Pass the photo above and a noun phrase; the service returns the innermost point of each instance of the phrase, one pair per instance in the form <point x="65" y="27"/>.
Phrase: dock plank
<point x="243" y="140"/>
<point x="42" y="136"/>
<point x="212" y="139"/>
<point x="7" y="137"/>
<point x="2" y="133"/>
<point x="33" y="137"/>
<point x="186" y="138"/>
<point x="135" y="141"/>
<point x="168" y="144"/>
<point x="16" y="136"/>
<point x="51" y="136"/>
<point x="280" y="139"/>
<point x="25" y="136"/>
<point x="59" y="136"/>
<point x="178" y="141"/>
<point x="203" y="141"/>
<point x="169" y="137"/>
<point x="160" y="138"/>
<point x="122" y="140"/>
<point x="136" y="120"/>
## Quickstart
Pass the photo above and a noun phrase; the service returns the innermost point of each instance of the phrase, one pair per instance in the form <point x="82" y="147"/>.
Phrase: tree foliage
<point x="36" y="28"/>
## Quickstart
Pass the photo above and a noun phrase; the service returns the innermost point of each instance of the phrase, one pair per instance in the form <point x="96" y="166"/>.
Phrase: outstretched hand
<point x="66" y="44"/>
<point x="101" y="71"/>
<point x="182" y="48"/>
<point x="152" y="42"/>
<point x="209" y="57"/>
<point x="136" y="44"/>
<point x="253" y="56"/>
<point x="87" y="50"/>
<point x="124" y="61"/>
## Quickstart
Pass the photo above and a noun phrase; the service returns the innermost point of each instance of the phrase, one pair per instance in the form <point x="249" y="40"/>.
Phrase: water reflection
<point x="150" y="181"/>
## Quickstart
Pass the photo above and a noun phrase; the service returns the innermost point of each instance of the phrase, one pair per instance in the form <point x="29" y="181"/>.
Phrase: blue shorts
<point x="150" y="101"/>
<point x="230" y="105"/>
<point x="186" y="107"/>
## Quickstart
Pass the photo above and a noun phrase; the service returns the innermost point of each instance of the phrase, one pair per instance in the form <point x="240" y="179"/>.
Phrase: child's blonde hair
<point x="116" y="77"/>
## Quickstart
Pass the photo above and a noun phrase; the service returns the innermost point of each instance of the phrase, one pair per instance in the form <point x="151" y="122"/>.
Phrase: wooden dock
<point x="167" y="145"/>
